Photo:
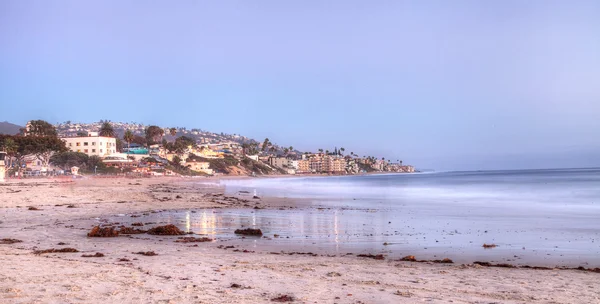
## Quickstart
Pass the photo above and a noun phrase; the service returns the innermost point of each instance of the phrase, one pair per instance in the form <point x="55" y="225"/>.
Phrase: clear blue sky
<point x="439" y="84"/>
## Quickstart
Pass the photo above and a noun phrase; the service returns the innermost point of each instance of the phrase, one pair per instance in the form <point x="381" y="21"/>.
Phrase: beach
<point x="231" y="268"/>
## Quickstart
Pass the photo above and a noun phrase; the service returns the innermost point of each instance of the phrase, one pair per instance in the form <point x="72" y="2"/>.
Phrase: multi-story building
<point x="93" y="144"/>
<point x="322" y="163"/>
<point x="303" y="166"/>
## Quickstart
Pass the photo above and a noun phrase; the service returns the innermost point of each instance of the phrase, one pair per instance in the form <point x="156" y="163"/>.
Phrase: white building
<point x="92" y="144"/>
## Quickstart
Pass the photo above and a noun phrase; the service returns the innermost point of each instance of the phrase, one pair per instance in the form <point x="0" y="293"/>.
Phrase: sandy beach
<point x="58" y="214"/>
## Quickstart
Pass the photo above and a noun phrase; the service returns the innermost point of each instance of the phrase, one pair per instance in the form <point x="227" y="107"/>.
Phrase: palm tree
<point x="128" y="137"/>
<point x="342" y="150"/>
<point x="266" y="144"/>
<point x="107" y="130"/>
<point x="326" y="152"/>
<point x="320" y="150"/>
<point x="291" y="148"/>
<point x="173" y="132"/>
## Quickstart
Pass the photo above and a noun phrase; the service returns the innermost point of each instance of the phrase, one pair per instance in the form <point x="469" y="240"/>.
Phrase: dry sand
<point x="182" y="273"/>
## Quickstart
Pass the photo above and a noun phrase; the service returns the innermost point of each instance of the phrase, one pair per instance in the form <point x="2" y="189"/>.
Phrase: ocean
<point x="534" y="217"/>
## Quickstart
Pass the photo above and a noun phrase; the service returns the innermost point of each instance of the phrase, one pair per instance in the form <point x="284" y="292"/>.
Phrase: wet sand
<point x="209" y="272"/>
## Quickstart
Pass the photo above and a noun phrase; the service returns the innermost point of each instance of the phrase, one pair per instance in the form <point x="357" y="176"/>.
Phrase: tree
<point x="82" y="134"/>
<point x="128" y="137"/>
<point x="119" y="144"/>
<point x="94" y="162"/>
<point x="66" y="160"/>
<point x="139" y="140"/>
<point x="107" y="130"/>
<point x="10" y="146"/>
<point x="40" y="128"/>
<point x="182" y="143"/>
<point x="245" y="147"/>
<point x="320" y="150"/>
<point x="266" y="144"/>
<point x="154" y="134"/>
<point x="44" y="146"/>
<point x="173" y="131"/>
<point x="286" y="150"/>
<point x="342" y="150"/>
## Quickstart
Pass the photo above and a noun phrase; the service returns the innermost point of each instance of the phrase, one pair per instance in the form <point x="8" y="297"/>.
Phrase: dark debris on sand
<point x="283" y="298"/>
<point x="147" y="253"/>
<point x="129" y="230"/>
<point x="249" y="231"/>
<point x="166" y="230"/>
<point x="9" y="241"/>
<point x="371" y="256"/>
<point x="103" y="232"/>
<point x="55" y="250"/>
<point x="97" y="255"/>
<point x="412" y="258"/>
<point x="191" y="239"/>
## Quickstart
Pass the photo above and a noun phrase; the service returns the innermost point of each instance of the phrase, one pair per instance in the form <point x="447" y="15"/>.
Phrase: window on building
<point x="78" y="150"/>
<point x="101" y="143"/>
<point x="100" y="150"/>
<point x="70" y="144"/>
<point x="78" y="144"/>
<point x="93" y="143"/>
<point x="93" y="150"/>
<point x="85" y="143"/>
<point x="86" y="150"/>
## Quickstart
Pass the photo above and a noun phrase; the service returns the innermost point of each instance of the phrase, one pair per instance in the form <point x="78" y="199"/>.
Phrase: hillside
<point x="72" y="128"/>
<point x="9" y="128"/>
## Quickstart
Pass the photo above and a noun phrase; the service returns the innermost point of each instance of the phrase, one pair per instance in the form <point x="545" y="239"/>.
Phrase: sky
<point x="444" y="85"/>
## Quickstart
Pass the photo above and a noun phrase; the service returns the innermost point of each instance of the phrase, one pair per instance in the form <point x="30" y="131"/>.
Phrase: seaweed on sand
<point x="129" y="230"/>
<point x="193" y="240"/>
<point x="52" y="250"/>
<point x="103" y="232"/>
<point x="9" y="241"/>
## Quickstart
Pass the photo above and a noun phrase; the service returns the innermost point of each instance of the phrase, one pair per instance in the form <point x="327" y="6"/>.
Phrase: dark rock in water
<point x="166" y="230"/>
<point x="249" y="231"/>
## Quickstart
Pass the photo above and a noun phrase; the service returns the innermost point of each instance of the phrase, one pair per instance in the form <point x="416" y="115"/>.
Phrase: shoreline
<point x="145" y="279"/>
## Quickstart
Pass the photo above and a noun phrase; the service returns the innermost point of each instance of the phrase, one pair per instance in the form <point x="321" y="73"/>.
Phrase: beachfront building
<point x="200" y="167"/>
<point x="119" y="161"/>
<point x="321" y="163"/>
<point x="303" y="166"/>
<point x="92" y="145"/>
